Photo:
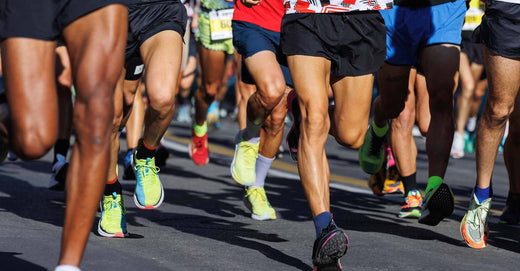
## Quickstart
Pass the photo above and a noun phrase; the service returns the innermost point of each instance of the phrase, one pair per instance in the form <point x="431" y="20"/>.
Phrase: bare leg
<point x="512" y="148"/>
<point x="134" y="124"/>
<point x="469" y="76"/>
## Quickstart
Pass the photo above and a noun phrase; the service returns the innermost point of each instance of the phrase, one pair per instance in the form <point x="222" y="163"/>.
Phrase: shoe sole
<point x="333" y="248"/>
<point x="136" y="201"/>
<point x="438" y="206"/>
<point x="232" y="170"/>
<point x="106" y="234"/>
<point x="191" y="156"/>
<point x="469" y="242"/>
<point x="257" y="217"/>
<point x="412" y="214"/>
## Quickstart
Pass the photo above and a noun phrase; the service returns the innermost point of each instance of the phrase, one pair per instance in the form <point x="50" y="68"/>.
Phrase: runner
<point x="471" y="70"/>
<point x="344" y="51"/>
<point x="93" y="32"/>
<point x="256" y="36"/>
<point x="215" y="41"/>
<point x="498" y="32"/>
<point x="438" y="51"/>
<point x="154" y="43"/>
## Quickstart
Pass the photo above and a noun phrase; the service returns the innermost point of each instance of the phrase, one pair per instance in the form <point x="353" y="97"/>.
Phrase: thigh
<point x="352" y="101"/>
<point x="212" y="64"/>
<point x="503" y="86"/>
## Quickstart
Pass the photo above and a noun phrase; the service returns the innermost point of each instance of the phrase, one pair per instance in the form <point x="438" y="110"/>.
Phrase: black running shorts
<point x="148" y="19"/>
<point x="43" y="19"/>
<point x="354" y="42"/>
<point x="500" y="28"/>
<point x="473" y="51"/>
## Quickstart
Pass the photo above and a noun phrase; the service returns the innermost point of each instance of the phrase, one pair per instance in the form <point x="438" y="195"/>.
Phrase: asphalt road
<point x="203" y="224"/>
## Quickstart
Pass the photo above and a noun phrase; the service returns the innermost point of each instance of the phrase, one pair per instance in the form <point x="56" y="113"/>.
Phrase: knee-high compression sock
<point x="263" y="164"/>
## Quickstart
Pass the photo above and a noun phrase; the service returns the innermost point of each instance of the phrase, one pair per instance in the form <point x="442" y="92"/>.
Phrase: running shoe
<point x="511" y="213"/>
<point x="392" y="184"/>
<point x="330" y="246"/>
<point x="372" y="152"/>
<point x="474" y="228"/>
<point x="457" y="148"/>
<point x="256" y="201"/>
<point x="376" y="182"/>
<point x="213" y="116"/>
<point x="293" y="137"/>
<point x="149" y="192"/>
<point x="112" y="222"/>
<point x="412" y="205"/>
<point x="244" y="161"/>
<point x="438" y="204"/>
<point x="161" y="155"/>
<point x="59" y="173"/>
<point x="128" y="174"/>
<point x="198" y="149"/>
<point x="469" y="145"/>
<point x="183" y="113"/>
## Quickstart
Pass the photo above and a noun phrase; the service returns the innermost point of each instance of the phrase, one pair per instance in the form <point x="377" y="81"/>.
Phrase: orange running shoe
<point x="198" y="149"/>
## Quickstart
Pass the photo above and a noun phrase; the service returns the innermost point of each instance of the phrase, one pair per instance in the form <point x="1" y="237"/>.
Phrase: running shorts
<point x="354" y="42"/>
<point x="411" y="29"/>
<point x="500" y="28"/>
<point x="473" y="51"/>
<point x="250" y="39"/>
<point x="43" y="19"/>
<point x="204" y="35"/>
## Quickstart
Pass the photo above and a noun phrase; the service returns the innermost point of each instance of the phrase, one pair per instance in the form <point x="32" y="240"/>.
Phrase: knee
<point x="351" y="138"/>
<point x="497" y="114"/>
<point x="393" y="107"/>
<point x="441" y="104"/>
<point x="405" y="120"/>
<point x="271" y="94"/>
<point x="316" y="125"/>
<point x="275" y="123"/>
<point x="161" y="99"/>
<point x="211" y="88"/>
<point x="33" y="144"/>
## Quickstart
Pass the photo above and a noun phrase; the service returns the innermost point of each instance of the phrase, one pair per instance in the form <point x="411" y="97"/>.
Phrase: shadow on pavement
<point x="11" y="262"/>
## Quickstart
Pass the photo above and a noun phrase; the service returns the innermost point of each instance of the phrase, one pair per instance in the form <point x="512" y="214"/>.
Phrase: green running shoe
<point x="437" y="205"/>
<point x="244" y="161"/>
<point x="149" y="192"/>
<point x="112" y="222"/>
<point x="473" y="226"/>
<point x="256" y="201"/>
<point x="372" y="152"/>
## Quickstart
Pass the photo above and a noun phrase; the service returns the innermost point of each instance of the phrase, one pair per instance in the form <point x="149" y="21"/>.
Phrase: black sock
<point x="409" y="183"/>
<point x="61" y="147"/>
<point x="113" y="187"/>
<point x="143" y="152"/>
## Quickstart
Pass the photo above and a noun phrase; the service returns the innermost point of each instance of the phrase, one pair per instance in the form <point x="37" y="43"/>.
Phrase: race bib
<point x="220" y="24"/>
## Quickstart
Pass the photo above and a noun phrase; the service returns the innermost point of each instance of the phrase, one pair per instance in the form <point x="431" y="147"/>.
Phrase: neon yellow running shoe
<point x="112" y="222"/>
<point x="244" y="161"/>
<point x="256" y="201"/>
<point x="149" y="192"/>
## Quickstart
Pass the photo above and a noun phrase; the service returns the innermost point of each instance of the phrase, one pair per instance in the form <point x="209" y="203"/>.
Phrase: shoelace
<point x="251" y="155"/>
<point x="256" y="193"/>
<point x="377" y="142"/>
<point x="112" y="204"/>
<point x="477" y="217"/>
<point x="147" y="171"/>
<point x="198" y="142"/>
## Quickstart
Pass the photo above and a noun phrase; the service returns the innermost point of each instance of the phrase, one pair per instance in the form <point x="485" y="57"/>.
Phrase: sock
<point x="252" y="131"/>
<point x="200" y="130"/>
<point x="471" y="125"/>
<point x="321" y="221"/>
<point x="263" y="164"/>
<point x="61" y="147"/>
<point x="380" y="131"/>
<point x="409" y="183"/>
<point x="482" y="193"/>
<point x="66" y="268"/>
<point x="144" y="151"/>
<point x="113" y="186"/>
<point x="433" y="182"/>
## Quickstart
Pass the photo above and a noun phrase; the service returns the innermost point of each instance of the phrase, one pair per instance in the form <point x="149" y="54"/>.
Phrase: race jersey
<point x="330" y="6"/>
<point x="215" y="4"/>
<point x="473" y="16"/>
<point x="268" y="14"/>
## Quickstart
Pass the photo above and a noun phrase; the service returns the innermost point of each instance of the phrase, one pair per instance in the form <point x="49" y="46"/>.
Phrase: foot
<point x="329" y="247"/>
<point x="392" y="184"/>
<point x="376" y="182"/>
<point x="469" y="146"/>
<point x="438" y="204"/>
<point x="511" y="212"/>
<point x="112" y="222"/>
<point x="457" y="148"/>
<point x="128" y="174"/>
<point x="372" y="153"/>
<point x="198" y="149"/>
<point x="244" y="161"/>
<point x="59" y="174"/>
<point x="256" y="201"/>
<point x="412" y="205"/>
<point x="473" y="227"/>
<point x="293" y="136"/>
<point x="149" y="192"/>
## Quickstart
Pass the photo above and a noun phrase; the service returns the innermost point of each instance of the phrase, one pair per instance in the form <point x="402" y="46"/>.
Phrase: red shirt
<point x="268" y="14"/>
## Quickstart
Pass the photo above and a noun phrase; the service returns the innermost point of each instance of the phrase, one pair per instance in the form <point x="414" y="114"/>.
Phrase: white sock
<point x="471" y="124"/>
<point x="263" y="164"/>
<point x="66" y="268"/>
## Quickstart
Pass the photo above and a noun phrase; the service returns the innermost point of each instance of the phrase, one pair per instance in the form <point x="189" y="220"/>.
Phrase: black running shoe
<point x="161" y="155"/>
<point x="330" y="246"/>
<point x="437" y="205"/>
<point x="511" y="213"/>
<point x="294" y="134"/>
